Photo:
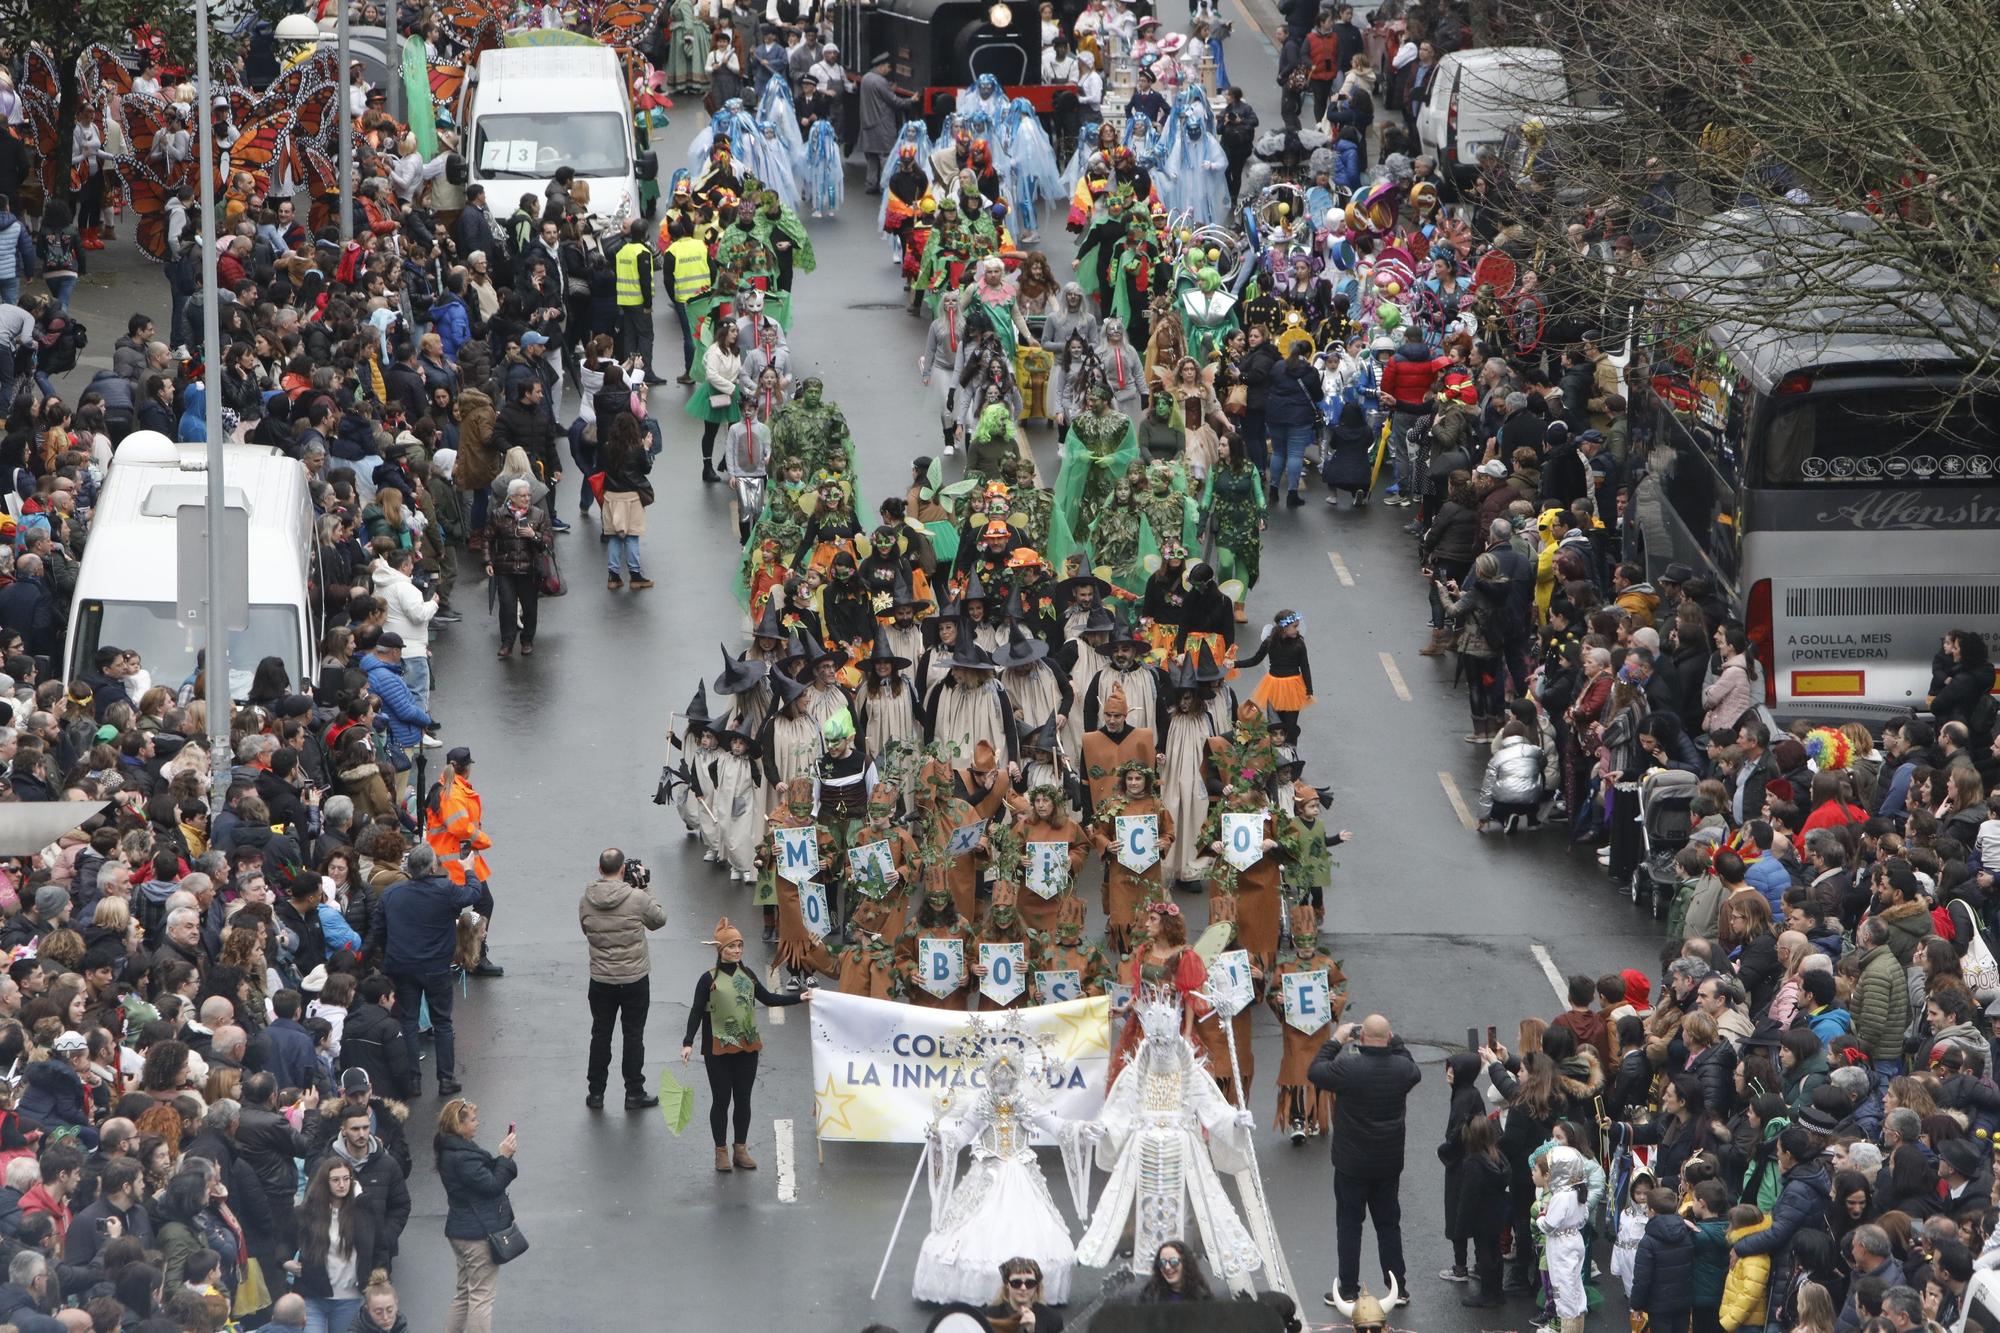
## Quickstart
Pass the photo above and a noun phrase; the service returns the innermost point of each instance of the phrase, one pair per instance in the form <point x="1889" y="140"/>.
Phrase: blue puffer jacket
<point x="1663" y="1269"/>
<point x="475" y="1188"/>
<point x="399" y="706"/>
<point x="451" y="324"/>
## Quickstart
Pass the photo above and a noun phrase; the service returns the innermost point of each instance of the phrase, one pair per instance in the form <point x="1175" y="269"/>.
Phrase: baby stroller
<point x="1665" y="823"/>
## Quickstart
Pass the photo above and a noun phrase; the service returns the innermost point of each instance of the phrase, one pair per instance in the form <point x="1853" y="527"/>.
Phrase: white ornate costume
<point x="1154" y="1123"/>
<point x="1002" y="1208"/>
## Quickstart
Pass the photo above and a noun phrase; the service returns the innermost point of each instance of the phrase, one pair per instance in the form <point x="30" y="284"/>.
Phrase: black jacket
<point x="530" y="429"/>
<point x="268" y="1143"/>
<point x="1801" y="1206"/>
<point x="372" y="1040"/>
<point x="1663" y="1268"/>
<point x="363" y="1230"/>
<point x="247" y="1198"/>
<point x="475" y="1189"/>
<point x="1371" y="1086"/>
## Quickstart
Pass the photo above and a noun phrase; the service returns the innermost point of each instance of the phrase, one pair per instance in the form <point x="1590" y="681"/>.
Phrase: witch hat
<point x="739" y="676"/>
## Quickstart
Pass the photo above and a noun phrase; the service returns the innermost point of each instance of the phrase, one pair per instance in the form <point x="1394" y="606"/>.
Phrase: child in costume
<point x="1557" y="1222"/>
<point x="1287" y="687"/>
<point x="1304" y="1110"/>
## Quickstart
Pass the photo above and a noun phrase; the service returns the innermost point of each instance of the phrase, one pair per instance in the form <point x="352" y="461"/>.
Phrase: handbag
<point x="576" y="289"/>
<point x="644" y="490"/>
<point x="508" y="1244"/>
<point x="253" y="1293"/>
<point x="595" y="481"/>
<point x="721" y="402"/>
<point x="549" y="573"/>
<point x="1981" y="972"/>
<point x="1238" y="400"/>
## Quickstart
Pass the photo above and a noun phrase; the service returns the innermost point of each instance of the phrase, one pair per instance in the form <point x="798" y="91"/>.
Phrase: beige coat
<point x="615" y="918"/>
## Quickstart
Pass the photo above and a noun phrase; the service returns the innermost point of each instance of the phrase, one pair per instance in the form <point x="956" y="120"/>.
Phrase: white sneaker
<point x="432" y="743"/>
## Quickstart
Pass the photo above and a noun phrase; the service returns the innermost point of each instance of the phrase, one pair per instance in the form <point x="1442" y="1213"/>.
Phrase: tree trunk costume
<point x="1126" y="891"/>
<point x="1299" y="1102"/>
<point x="1068" y="951"/>
<point x="1003" y="925"/>
<point x="1039" y="913"/>
<point x="1208" y="1031"/>
<point x="1107" y="750"/>
<point x="935" y="919"/>
<point x="799" y="949"/>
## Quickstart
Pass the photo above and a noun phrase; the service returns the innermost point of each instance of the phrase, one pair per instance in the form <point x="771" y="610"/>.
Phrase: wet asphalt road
<point x="1437" y="928"/>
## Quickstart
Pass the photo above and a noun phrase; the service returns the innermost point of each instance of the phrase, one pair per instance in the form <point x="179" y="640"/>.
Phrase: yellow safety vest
<point x="631" y="291"/>
<point x="690" y="268"/>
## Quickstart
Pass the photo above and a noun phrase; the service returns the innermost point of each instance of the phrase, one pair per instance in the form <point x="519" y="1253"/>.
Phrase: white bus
<point x="1842" y="489"/>
<point x="126" y="591"/>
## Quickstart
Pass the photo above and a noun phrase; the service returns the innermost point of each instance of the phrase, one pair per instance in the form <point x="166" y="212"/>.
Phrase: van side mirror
<point x="647" y="167"/>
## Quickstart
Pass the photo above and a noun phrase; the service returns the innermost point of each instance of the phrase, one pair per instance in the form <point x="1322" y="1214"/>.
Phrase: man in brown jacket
<point x="616" y="912"/>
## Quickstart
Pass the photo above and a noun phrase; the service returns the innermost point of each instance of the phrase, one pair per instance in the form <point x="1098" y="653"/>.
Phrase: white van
<point x="534" y="109"/>
<point x="127" y="590"/>
<point x="1477" y="96"/>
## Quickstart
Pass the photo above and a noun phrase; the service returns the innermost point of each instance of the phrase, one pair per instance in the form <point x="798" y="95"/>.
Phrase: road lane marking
<point x="788" y="1182"/>
<point x="1556" y="982"/>
<point x="1340" y="569"/>
<point x="1395" y="677"/>
<point x="1457" y="800"/>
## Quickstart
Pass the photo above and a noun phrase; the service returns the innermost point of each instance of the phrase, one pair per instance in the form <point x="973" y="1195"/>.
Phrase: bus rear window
<point x="1904" y="436"/>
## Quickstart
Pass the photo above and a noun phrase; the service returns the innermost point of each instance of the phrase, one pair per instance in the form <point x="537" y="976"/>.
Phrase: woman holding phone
<point x="475" y="1191"/>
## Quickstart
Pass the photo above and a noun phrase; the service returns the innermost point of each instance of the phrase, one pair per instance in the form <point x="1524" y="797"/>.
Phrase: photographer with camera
<point x="616" y="912"/>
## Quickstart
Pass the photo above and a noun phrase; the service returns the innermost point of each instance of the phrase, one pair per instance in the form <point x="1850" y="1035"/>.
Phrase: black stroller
<point x="1665" y="824"/>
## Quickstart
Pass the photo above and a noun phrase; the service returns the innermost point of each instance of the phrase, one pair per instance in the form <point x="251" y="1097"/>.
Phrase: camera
<point x="637" y="875"/>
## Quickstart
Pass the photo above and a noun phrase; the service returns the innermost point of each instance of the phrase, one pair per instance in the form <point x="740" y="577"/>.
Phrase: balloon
<point x="1185" y="234"/>
<point x="1213" y="254"/>
<point x="1284" y="210"/>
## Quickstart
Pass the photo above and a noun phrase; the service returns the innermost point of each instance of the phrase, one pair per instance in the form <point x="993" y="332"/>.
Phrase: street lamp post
<point x="216" y="655"/>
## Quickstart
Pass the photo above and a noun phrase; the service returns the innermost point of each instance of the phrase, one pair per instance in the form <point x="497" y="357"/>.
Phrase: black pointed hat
<point x="739" y="675"/>
<point x="1023" y="649"/>
<point x="697" y="709"/>
<point x="769" y="625"/>
<point x="882" y="652"/>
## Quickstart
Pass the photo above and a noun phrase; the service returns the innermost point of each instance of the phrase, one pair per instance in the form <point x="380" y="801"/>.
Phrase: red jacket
<point x="1407" y="381"/>
<point x="1323" y="50"/>
<point x="39" y="1200"/>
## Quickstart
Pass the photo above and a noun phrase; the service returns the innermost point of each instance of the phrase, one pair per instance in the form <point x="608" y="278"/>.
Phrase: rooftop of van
<point x="263" y="480"/>
<point x="546" y="64"/>
<point x="1504" y="55"/>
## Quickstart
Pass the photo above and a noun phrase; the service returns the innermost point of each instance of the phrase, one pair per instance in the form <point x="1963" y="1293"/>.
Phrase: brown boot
<point x="1440" y="640"/>
<point x="722" y="1159"/>
<point x="743" y="1159"/>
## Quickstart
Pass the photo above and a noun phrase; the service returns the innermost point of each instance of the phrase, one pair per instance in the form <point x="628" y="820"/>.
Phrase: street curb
<point x="1270" y="24"/>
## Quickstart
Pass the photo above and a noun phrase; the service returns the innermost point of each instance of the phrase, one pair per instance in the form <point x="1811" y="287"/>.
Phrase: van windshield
<point x="530" y="145"/>
<point x="167" y="649"/>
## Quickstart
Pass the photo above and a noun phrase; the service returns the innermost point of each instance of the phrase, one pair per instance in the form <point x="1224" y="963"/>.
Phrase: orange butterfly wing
<point x="100" y="71"/>
<point x="147" y="194"/>
<point x="446" y="81"/>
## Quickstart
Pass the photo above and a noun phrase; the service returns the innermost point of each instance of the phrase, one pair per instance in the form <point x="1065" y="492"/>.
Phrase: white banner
<point x="1138" y="842"/>
<point x="881" y="1070"/>
<point x="1057" y="985"/>
<point x="1048" y="868"/>
<point x="964" y="841"/>
<point x="1229" y="981"/>
<point x="796" y="852"/>
<point x="1006" y="978"/>
<point x="1308" y="1000"/>
<point x="1243" y="838"/>
<point x="871" y="865"/>
<point x="940" y="964"/>
<point x="812" y="909"/>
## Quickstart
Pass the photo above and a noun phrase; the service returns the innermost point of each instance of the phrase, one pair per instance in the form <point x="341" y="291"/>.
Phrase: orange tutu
<point x="1286" y="694"/>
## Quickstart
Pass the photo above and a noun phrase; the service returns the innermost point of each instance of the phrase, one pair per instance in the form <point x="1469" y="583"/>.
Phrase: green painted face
<point x="810" y="395"/>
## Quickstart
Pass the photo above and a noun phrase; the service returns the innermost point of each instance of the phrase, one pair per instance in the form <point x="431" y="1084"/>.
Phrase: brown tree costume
<point x="1105" y="751"/>
<point x="1068" y="951"/>
<point x="880" y="909"/>
<point x="798" y="948"/>
<point x="938" y="813"/>
<point x="1004" y="926"/>
<point x="1208" y="1028"/>
<point x="1255" y="891"/>
<point x="1298" y="1100"/>
<point x="936" y="918"/>
<point x="1126" y="893"/>
<point x="1038" y="912"/>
